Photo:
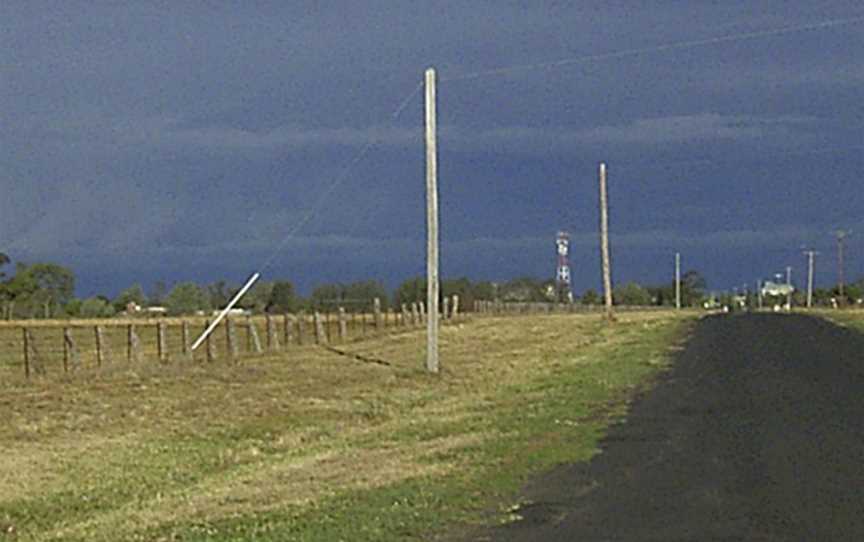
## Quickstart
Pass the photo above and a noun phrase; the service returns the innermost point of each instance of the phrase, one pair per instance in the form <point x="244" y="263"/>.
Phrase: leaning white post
<point x="227" y="308"/>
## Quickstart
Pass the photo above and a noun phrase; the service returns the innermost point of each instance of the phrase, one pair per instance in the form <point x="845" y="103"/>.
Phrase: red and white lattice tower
<point x="562" y="275"/>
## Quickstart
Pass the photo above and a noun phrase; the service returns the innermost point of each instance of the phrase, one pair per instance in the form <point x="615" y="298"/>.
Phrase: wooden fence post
<point x="327" y="333"/>
<point x="301" y="328"/>
<point x="376" y="308"/>
<point x="320" y="336"/>
<point x="288" y="326"/>
<point x="454" y="309"/>
<point x="210" y="347"/>
<point x="130" y="329"/>
<point x="415" y="314"/>
<point x="100" y="345"/>
<point x="66" y="355"/>
<point x="422" y="308"/>
<point x="253" y="335"/>
<point x="162" y="341"/>
<point x="26" y="336"/>
<point x="445" y="308"/>
<point x="73" y="353"/>
<point x="343" y="325"/>
<point x="32" y="359"/>
<point x="133" y="345"/>
<point x="272" y="337"/>
<point x="184" y="333"/>
<point x="230" y="338"/>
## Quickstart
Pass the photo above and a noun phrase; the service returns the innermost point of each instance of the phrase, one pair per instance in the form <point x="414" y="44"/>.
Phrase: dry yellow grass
<point x="181" y="443"/>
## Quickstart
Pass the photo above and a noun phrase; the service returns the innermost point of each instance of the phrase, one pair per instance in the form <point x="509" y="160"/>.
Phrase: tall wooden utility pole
<point x="604" y="244"/>
<point x="789" y="283"/>
<point x="431" y="227"/>
<point x="677" y="280"/>
<point x="810" y="255"/>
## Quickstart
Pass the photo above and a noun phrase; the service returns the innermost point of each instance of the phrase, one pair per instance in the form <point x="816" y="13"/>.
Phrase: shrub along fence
<point x="38" y="347"/>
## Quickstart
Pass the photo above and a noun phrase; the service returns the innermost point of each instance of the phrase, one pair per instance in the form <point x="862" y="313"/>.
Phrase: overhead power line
<point x="689" y="44"/>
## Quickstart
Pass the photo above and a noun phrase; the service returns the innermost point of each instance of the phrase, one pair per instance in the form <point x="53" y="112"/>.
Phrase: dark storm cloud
<point x="171" y="140"/>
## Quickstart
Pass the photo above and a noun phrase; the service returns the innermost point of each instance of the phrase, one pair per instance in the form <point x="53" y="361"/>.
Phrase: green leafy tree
<point x="484" y="291"/>
<point x="590" y="297"/>
<point x="631" y="294"/>
<point x="327" y="296"/>
<point x="283" y="297"/>
<point x="19" y="290"/>
<point x="525" y="289"/>
<point x="461" y="287"/>
<point x="220" y="293"/>
<point x="72" y="308"/>
<point x="158" y="293"/>
<point x="55" y="285"/>
<point x="187" y="298"/>
<point x="5" y="297"/>
<point x="133" y="294"/>
<point x="693" y="286"/>
<point x="360" y="296"/>
<point x="257" y="299"/>
<point x="410" y="291"/>
<point x="96" y="307"/>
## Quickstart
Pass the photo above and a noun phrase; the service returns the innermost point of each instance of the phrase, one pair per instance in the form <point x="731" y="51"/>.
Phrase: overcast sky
<point x="145" y="141"/>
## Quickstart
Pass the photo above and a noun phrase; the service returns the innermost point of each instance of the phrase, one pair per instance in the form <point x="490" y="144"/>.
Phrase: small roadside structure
<point x="777" y="289"/>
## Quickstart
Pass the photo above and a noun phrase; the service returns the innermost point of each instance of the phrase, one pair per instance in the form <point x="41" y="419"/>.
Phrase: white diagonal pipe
<point x="227" y="308"/>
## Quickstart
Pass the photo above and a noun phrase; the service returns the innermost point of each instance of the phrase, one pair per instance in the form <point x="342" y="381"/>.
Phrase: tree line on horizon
<point x="46" y="290"/>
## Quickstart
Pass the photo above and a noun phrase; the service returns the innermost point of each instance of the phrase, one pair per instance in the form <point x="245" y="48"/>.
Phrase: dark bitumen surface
<point x="756" y="433"/>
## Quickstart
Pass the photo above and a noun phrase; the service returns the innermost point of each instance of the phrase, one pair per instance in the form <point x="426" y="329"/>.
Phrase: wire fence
<point x="31" y="348"/>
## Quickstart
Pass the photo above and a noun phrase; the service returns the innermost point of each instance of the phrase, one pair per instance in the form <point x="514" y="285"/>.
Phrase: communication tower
<point x="562" y="275"/>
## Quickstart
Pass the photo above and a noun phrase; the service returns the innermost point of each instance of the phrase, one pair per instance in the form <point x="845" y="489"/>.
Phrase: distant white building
<point x="234" y="312"/>
<point x="777" y="289"/>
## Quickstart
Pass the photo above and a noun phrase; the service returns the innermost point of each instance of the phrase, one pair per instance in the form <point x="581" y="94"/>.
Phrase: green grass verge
<point x="557" y="419"/>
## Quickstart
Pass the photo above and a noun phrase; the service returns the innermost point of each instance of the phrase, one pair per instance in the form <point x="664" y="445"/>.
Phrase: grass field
<point x="312" y="445"/>
<point x="853" y="318"/>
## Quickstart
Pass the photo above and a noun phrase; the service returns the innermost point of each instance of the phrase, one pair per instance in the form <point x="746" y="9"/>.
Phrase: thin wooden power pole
<point x="604" y="244"/>
<point x="810" y="255"/>
<point x="677" y="280"/>
<point x="431" y="226"/>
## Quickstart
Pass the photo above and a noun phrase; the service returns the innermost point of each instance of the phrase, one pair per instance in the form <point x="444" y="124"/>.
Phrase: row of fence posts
<point x="500" y="308"/>
<point x="293" y="332"/>
<point x="518" y="307"/>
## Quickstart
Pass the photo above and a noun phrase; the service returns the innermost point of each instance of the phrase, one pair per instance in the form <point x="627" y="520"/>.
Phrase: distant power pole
<point x="677" y="280"/>
<point x="604" y="244"/>
<point x="431" y="227"/>
<point x="810" y="255"/>
<point x="759" y="293"/>
<point x="789" y="283"/>
<point x="841" y="248"/>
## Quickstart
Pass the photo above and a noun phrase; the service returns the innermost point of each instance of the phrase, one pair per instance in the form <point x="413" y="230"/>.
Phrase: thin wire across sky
<point x="364" y="151"/>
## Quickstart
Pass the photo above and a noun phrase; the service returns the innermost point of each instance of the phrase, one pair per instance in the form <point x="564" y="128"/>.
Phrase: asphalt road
<point x="757" y="433"/>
